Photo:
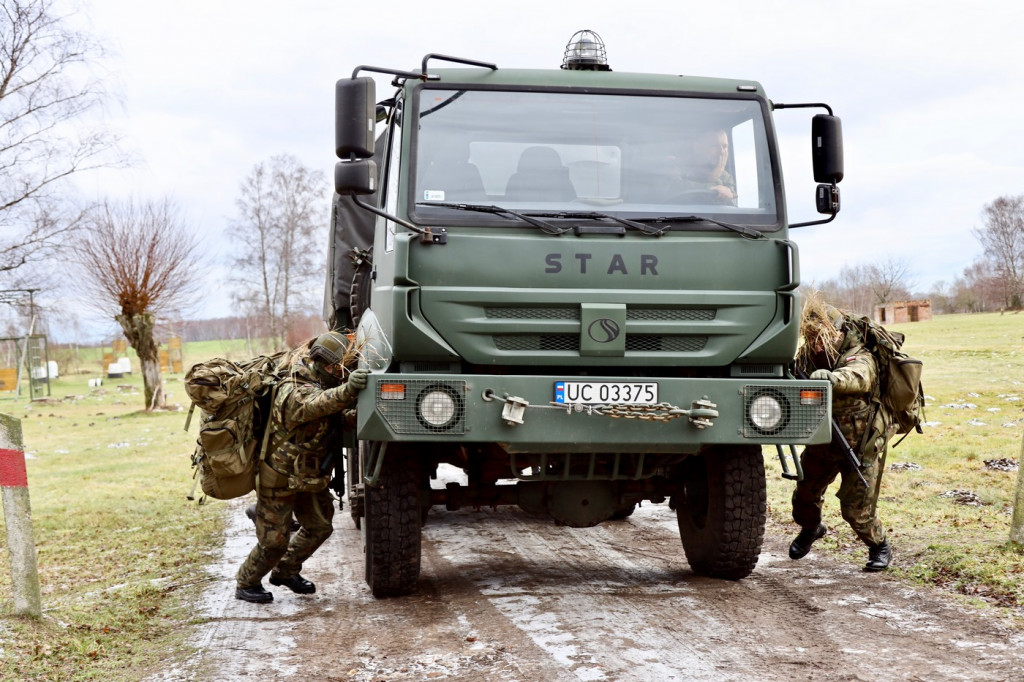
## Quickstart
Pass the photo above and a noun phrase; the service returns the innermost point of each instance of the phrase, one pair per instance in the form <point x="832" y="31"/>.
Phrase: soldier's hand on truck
<point x="356" y="381"/>
<point x="824" y="375"/>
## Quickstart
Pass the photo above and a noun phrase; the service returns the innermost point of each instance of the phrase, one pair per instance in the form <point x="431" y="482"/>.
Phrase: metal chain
<point x="660" y="412"/>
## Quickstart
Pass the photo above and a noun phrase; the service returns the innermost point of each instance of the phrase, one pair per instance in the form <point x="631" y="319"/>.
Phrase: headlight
<point x="437" y="408"/>
<point x="766" y="413"/>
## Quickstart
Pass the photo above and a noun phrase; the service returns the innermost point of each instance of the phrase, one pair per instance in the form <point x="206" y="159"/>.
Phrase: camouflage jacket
<point x="697" y="178"/>
<point x="300" y="420"/>
<point x="856" y="386"/>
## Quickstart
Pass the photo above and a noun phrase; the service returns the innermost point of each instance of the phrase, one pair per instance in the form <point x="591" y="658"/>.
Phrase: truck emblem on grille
<point x="603" y="330"/>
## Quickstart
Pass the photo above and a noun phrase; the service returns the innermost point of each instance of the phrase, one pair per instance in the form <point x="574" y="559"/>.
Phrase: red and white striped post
<point x="18" y="517"/>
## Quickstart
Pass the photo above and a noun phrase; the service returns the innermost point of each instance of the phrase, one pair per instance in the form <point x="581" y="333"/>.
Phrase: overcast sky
<point x="931" y="96"/>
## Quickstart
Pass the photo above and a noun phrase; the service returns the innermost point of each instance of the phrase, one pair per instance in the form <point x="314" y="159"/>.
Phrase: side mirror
<point x="355" y="117"/>
<point x="827" y="148"/>
<point x="355" y="177"/>
<point x="827" y="199"/>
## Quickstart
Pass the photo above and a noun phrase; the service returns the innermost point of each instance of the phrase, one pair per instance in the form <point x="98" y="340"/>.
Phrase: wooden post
<point x="21" y="544"/>
<point x="1017" y="526"/>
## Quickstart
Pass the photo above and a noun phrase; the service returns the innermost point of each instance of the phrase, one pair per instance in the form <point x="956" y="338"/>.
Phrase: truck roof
<point x="596" y="79"/>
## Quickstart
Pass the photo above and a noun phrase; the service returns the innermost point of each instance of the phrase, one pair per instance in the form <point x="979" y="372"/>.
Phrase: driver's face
<point x="713" y="151"/>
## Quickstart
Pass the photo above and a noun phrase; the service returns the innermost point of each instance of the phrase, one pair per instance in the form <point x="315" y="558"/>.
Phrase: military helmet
<point x="821" y="326"/>
<point x="328" y="356"/>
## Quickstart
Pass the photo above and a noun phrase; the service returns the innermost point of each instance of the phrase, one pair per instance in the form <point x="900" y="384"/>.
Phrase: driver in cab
<point x="704" y="167"/>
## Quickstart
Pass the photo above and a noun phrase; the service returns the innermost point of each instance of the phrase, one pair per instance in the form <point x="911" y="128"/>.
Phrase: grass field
<point x="121" y="550"/>
<point x="948" y="513"/>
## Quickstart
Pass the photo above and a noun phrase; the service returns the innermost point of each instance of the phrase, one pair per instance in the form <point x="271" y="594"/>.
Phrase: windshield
<point x="633" y="156"/>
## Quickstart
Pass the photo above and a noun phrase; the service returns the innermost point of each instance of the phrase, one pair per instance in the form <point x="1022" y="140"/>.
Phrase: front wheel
<point x="721" y="511"/>
<point x="392" y="523"/>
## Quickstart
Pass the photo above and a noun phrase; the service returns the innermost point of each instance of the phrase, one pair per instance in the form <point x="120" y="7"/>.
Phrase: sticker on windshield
<point x="433" y="195"/>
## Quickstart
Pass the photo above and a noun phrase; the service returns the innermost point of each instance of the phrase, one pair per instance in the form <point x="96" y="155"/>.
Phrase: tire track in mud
<point x="619" y="602"/>
<point x="596" y="606"/>
<point x="511" y="597"/>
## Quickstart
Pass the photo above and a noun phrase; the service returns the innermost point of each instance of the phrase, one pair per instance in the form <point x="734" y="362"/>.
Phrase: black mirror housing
<point x="827" y="148"/>
<point x="355" y="117"/>
<point x="355" y="177"/>
<point x="826" y="198"/>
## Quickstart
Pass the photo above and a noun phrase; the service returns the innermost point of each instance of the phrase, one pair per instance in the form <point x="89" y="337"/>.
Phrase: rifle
<point x="838" y="438"/>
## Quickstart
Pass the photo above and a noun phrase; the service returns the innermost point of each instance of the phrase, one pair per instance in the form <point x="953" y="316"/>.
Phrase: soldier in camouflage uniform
<point x="290" y="480"/>
<point x="833" y="350"/>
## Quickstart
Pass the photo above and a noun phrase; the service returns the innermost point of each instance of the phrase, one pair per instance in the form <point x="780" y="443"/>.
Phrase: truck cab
<point x="581" y="292"/>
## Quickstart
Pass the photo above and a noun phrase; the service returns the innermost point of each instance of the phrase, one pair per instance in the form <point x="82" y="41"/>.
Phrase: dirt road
<point x="509" y="596"/>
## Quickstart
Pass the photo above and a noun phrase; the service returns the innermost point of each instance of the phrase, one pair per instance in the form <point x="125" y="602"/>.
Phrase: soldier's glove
<point x="824" y="375"/>
<point x="356" y="382"/>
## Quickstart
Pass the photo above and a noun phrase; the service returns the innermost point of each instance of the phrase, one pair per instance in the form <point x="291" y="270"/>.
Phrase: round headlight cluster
<point x="768" y="413"/>
<point x="437" y="408"/>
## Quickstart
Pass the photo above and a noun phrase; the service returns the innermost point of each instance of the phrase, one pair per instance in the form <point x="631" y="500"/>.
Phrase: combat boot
<point x="804" y="539"/>
<point x="879" y="557"/>
<point x="296" y="583"/>
<point x="255" y="594"/>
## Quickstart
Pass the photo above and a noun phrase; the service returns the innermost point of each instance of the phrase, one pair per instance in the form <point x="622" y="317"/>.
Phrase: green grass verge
<point x="974" y="378"/>
<point x="121" y="551"/>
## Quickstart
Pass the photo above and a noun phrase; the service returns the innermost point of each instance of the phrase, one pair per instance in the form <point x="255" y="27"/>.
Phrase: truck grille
<point x="633" y="313"/>
<point x="555" y="313"/>
<point x="532" y="342"/>
<point x="635" y="342"/>
<point x="654" y="343"/>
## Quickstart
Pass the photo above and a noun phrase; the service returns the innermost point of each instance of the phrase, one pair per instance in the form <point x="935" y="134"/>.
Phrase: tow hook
<point x="701" y="413"/>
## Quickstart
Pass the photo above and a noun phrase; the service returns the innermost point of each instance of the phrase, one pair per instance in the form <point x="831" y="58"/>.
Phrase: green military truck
<point x="565" y="291"/>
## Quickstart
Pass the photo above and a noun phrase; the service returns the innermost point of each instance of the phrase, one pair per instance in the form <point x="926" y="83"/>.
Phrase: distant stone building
<point x="903" y="311"/>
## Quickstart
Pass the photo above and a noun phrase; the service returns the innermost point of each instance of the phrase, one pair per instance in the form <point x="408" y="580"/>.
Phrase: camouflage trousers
<point x="857" y="503"/>
<point x="276" y="548"/>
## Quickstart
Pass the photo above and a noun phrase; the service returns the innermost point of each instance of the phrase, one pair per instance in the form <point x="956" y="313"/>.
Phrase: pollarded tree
<point x="139" y="261"/>
<point x="48" y="102"/>
<point x="279" y="234"/>
<point x="1002" y="237"/>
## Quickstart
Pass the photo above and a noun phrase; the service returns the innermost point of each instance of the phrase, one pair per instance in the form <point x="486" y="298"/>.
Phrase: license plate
<point x="606" y="392"/>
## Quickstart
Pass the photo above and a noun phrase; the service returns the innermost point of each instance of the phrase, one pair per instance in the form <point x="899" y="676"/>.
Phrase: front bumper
<point x="518" y="413"/>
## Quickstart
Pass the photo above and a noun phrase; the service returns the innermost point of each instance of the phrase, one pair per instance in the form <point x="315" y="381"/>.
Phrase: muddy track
<point x="510" y="596"/>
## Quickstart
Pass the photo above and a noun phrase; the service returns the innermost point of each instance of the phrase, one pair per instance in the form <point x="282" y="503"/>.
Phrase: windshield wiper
<point x="499" y="211"/>
<point x="594" y="215"/>
<point x="746" y="232"/>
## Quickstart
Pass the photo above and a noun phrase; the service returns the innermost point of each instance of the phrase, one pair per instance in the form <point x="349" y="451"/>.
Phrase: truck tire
<point x="393" y="525"/>
<point x="623" y="513"/>
<point x="721" y="511"/>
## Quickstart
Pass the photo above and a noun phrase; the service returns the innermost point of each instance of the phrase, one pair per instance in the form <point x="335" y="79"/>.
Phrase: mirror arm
<point x="802" y="105"/>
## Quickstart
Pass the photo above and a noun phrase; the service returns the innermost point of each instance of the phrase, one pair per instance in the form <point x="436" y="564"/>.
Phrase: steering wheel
<point x="694" y="196"/>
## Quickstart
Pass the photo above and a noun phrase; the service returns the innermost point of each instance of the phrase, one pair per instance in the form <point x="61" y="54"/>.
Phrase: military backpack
<point x="901" y="395"/>
<point x="235" y="401"/>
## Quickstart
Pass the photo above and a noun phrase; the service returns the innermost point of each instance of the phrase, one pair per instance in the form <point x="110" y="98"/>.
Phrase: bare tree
<point x="47" y="100"/>
<point x="278" y="234"/>
<point x="139" y="262"/>
<point x="887" y="280"/>
<point x="1002" y="237"/>
<point x="859" y="288"/>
